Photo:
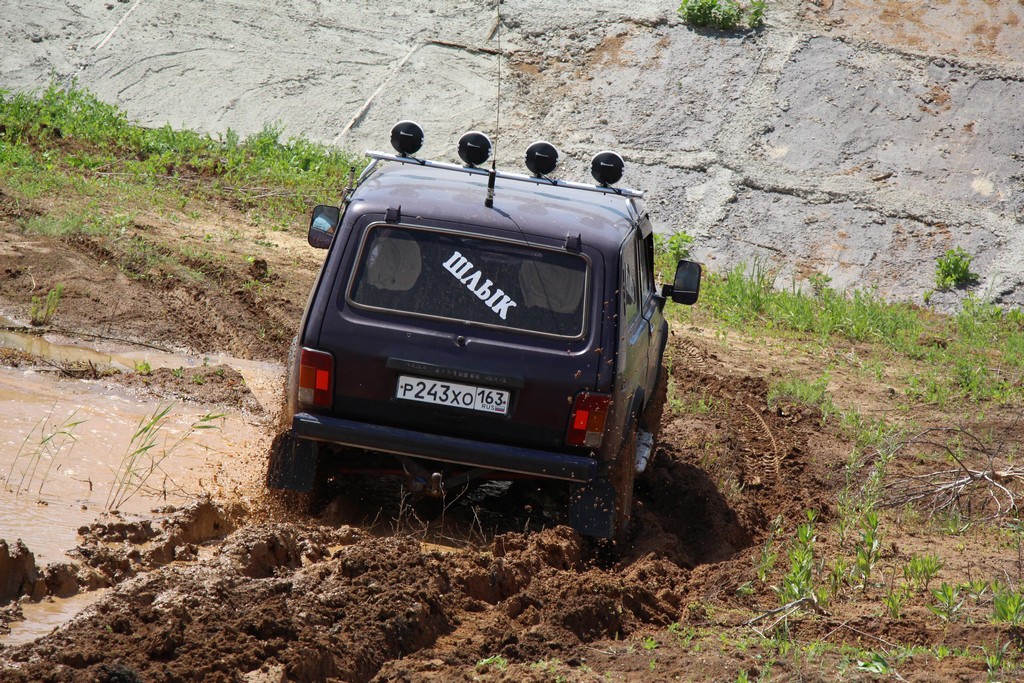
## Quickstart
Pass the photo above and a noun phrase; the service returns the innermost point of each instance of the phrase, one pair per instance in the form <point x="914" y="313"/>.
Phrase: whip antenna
<point x="489" y="202"/>
<point x="497" y="106"/>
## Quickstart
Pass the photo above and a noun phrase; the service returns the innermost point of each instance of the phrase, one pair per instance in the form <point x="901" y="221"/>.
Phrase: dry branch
<point x="978" y="471"/>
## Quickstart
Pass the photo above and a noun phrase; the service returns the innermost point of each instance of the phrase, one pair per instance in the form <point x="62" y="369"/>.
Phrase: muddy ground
<point x="369" y="591"/>
<point x="838" y="140"/>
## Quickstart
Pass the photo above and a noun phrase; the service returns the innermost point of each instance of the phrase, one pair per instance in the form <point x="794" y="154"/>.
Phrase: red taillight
<point x="586" y="425"/>
<point x="316" y="374"/>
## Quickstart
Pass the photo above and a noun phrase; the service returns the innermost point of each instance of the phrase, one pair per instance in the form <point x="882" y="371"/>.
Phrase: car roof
<point x="533" y="208"/>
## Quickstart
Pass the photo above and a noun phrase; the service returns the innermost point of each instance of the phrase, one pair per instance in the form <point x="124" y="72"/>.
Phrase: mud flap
<point x="293" y="463"/>
<point x="592" y="509"/>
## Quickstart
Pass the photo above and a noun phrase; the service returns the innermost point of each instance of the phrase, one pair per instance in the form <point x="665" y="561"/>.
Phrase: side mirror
<point x="323" y="225"/>
<point x="686" y="287"/>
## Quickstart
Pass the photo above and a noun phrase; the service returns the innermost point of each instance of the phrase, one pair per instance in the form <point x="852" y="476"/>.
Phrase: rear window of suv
<point x="466" y="278"/>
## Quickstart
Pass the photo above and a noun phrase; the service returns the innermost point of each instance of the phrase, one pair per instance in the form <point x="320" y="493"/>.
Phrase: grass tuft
<point x="142" y="458"/>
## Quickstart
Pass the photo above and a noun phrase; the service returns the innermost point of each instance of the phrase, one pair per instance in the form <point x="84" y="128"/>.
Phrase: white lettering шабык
<point x="499" y="302"/>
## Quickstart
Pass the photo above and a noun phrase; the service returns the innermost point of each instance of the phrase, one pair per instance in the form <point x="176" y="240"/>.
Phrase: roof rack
<point x="537" y="180"/>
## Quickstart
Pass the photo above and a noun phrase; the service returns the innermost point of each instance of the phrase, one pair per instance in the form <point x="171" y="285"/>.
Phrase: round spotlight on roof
<point x="407" y="138"/>
<point x="541" y="158"/>
<point x="606" y="167"/>
<point x="474" y="148"/>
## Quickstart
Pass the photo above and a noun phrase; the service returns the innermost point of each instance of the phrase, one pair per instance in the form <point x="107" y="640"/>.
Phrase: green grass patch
<point x="976" y="354"/>
<point x="51" y="137"/>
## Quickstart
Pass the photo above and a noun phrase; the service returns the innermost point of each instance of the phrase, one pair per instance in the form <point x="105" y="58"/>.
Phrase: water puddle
<point x="71" y="449"/>
<point x="66" y="450"/>
<point x="44" y="616"/>
<point x="262" y="378"/>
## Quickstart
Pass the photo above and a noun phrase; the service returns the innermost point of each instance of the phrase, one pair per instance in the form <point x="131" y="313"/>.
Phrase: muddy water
<point x="63" y="443"/>
<point x="46" y="615"/>
<point x="262" y="378"/>
<point x="61" y="449"/>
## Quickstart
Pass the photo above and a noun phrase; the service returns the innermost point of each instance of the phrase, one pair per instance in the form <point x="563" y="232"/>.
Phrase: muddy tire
<point x="622" y="474"/>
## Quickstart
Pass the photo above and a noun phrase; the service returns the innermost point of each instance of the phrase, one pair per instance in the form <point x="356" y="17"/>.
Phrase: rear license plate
<point x="484" y="399"/>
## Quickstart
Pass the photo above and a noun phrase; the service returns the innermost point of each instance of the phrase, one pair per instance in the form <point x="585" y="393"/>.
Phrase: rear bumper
<point x="444" y="448"/>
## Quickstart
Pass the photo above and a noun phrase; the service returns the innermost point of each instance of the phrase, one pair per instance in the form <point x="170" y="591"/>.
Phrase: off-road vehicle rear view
<point x="470" y="325"/>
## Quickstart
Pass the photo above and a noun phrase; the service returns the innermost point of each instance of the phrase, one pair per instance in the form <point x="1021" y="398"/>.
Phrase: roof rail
<point x="537" y="180"/>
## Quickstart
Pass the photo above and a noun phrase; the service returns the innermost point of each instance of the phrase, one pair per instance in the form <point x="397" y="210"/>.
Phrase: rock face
<point x="18" y="572"/>
<point x="854" y="140"/>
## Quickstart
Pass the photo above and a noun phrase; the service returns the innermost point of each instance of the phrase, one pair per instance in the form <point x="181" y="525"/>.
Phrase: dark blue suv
<point x="471" y="325"/>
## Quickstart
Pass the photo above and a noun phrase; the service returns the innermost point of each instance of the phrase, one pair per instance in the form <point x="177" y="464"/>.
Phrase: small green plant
<point x="876" y="664"/>
<point x="1008" y="608"/>
<point x="766" y="561"/>
<point x="869" y="548"/>
<point x="976" y="589"/>
<point x="953" y="524"/>
<point x="546" y="665"/>
<point x="819" y="283"/>
<point x="178" y="372"/>
<point x="947" y="602"/>
<point x="143" y="367"/>
<point x="894" y="600"/>
<point x="669" y="251"/>
<point x="684" y="635"/>
<point x="720" y="14"/>
<point x="798" y="583"/>
<point x="650" y="643"/>
<point x="837" y="576"/>
<point x="953" y="270"/>
<point x="496" y="662"/>
<point x="995" y="660"/>
<point x="41" y="311"/>
<point x="920" y="571"/>
<point x="755" y="16"/>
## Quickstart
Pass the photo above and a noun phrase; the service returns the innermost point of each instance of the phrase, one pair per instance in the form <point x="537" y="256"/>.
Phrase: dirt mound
<point x="161" y="283"/>
<point x="740" y="461"/>
<point x="212" y="385"/>
<point x="111" y="551"/>
<point x="118" y="550"/>
<point x="334" y="603"/>
<point x="18" y="572"/>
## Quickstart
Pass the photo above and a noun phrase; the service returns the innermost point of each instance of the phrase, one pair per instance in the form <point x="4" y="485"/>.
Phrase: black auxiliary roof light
<point x="606" y="167"/>
<point x="407" y="138"/>
<point x="474" y="148"/>
<point x="541" y="158"/>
